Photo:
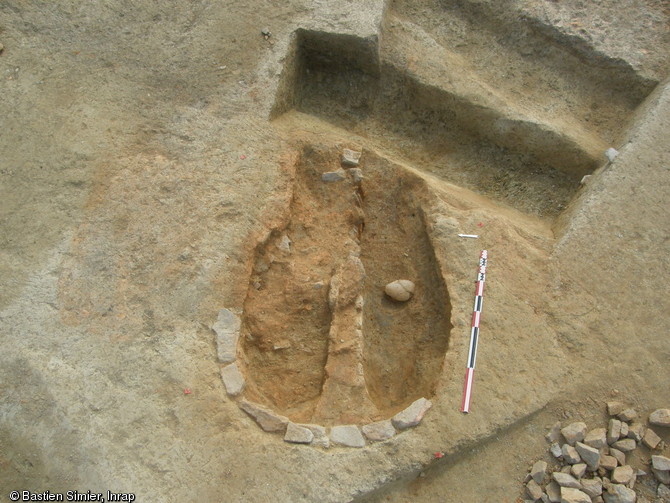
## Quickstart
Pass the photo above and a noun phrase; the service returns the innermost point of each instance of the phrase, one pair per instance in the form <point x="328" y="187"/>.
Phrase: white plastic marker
<point x="474" y="332"/>
<point x="475" y="236"/>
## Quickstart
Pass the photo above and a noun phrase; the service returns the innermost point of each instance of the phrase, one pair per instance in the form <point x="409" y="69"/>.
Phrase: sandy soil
<point x="155" y="154"/>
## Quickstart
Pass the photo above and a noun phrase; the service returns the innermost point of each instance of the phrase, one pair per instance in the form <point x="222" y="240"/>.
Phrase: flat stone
<point x="627" y="415"/>
<point x="570" y="454"/>
<point x="596" y="438"/>
<point x="608" y="462"/>
<point x="663" y="492"/>
<point x="636" y="431"/>
<point x="412" y="415"/>
<point x="623" y="474"/>
<point x="590" y="455"/>
<point x="660" y="463"/>
<point x="348" y="435"/>
<point x="227" y="329"/>
<point x="566" y="480"/>
<point x="613" y="431"/>
<point x="350" y="157"/>
<point x="333" y="176"/>
<point x="555" y="450"/>
<point x="553" y="491"/>
<point x="400" y="290"/>
<point x="265" y="417"/>
<point x="620" y="456"/>
<point x="381" y="430"/>
<point x="539" y="471"/>
<point x="625" y="445"/>
<point x="663" y="476"/>
<point x="593" y="487"/>
<point x="618" y="493"/>
<point x="232" y="379"/>
<point x="554" y="433"/>
<point x="651" y="439"/>
<point x="571" y="495"/>
<point x="534" y="490"/>
<point x="614" y="408"/>
<point x="296" y="434"/>
<point x="660" y="417"/>
<point x="320" y="436"/>
<point x="574" y="432"/>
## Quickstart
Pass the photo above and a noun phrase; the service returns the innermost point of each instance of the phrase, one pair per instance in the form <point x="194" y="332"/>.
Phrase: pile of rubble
<point x="592" y="467"/>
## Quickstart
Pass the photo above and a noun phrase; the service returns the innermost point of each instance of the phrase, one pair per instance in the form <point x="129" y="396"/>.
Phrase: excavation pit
<point x="320" y="341"/>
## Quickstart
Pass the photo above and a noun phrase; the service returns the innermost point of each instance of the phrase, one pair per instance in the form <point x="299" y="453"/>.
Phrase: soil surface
<point x="163" y="160"/>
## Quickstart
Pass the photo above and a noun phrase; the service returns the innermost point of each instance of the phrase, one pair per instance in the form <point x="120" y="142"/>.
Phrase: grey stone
<point x="613" y="431"/>
<point x="614" y="408"/>
<point x="625" y="445"/>
<point x="566" y="469"/>
<point x="618" y="493"/>
<point x="227" y="329"/>
<point x="660" y="417"/>
<point x="660" y="463"/>
<point x="574" y="432"/>
<point x="351" y="157"/>
<point x="571" y="495"/>
<point x="232" y="379"/>
<point x="620" y="456"/>
<point x="412" y="415"/>
<point x="347" y="435"/>
<point x="578" y="470"/>
<point x="539" y="471"/>
<point x="381" y="430"/>
<point x="356" y="175"/>
<point x="265" y="417"/>
<point x="611" y="154"/>
<point x="555" y="450"/>
<point x="663" y="492"/>
<point x="627" y="415"/>
<point x="570" y="454"/>
<point x="624" y="429"/>
<point x="298" y="434"/>
<point x="593" y="487"/>
<point x="608" y="462"/>
<point x="545" y="499"/>
<point x="400" y="290"/>
<point x="623" y="474"/>
<point x="596" y="438"/>
<point x="534" y="490"/>
<point x="651" y="439"/>
<point x="333" y="176"/>
<point x="590" y="455"/>
<point x="320" y="436"/>
<point x="553" y="491"/>
<point x="554" y="433"/>
<point x="566" y="480"/>
<point x="636" y="431"/>
<point x="663" y="476"/>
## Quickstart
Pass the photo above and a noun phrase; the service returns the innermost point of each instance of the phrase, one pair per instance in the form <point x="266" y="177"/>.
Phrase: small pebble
<point x="663" y="476"/>
<point x="534" y="490"/>
<point x="660" y="463"/>
<point x="650" y="439"/>
<point x="350" y="157"/>
<point x="574" y="432"/>
<point x="627" y="415"/>
<point x="625" y="445"/>
<point x="613" y="431"/>
<point x="578" y="470"/>
<point x="623" y="474"/>
<point x="660" y="417"/>
<point x="570" y="454"/>
<point x="596" y="438"/>
<point x="400" y="290"/>
<point x="611" y="154"/>
<point x="554" y="433"/>
<point x="590" y="455"/>
<point x="566" y="480"/>
<point x="556" y="451"/>
<point x="539" y="471"/>
<point x="572" y="495"/>
<point x="333" y="176"/>
<point x="593" y="487"/>
<point x="614" y="408"/>
<point x="618" y="455"/>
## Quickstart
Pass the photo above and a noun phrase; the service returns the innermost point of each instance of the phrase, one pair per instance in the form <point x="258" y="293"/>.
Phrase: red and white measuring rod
<point x="474" y="332"/>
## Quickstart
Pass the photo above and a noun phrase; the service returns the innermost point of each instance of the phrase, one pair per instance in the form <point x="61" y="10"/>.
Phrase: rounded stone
<point x="400" y="290"/>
